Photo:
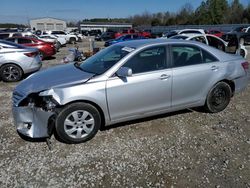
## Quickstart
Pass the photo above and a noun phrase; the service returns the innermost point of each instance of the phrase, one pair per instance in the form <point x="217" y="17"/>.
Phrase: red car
<point x="216" y="33"/>
<point x="46" y="49"/>
<point x="145" y="34"/>
<point x="125" y="32"/>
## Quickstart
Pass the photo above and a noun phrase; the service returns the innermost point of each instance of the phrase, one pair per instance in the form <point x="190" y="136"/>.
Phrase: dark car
<point x="105" y="36"/>
<point x="95" y="32"/>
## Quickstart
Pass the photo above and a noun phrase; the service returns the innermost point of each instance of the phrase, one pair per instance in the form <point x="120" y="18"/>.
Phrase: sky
<point x="21" y="11"/>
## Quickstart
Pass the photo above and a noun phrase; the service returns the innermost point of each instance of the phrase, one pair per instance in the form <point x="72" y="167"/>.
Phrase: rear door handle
<point x="164" y="77"/>
<point x="214" y="68"/>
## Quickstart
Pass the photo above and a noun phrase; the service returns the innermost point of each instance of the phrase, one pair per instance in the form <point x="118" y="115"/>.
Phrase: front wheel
<point x="77" y="123"/>
<point x="218" y="97"/>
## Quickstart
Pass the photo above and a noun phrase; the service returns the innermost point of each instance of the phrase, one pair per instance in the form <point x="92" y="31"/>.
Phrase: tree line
<point x="209" y="12"/>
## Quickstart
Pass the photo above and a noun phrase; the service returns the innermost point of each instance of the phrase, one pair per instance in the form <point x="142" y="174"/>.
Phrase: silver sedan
<point x="16" y="60"/>
<point x="124" y="82"/>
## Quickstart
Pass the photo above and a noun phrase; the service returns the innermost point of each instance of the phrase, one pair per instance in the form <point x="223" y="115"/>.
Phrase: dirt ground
<point x="181" y="149"/>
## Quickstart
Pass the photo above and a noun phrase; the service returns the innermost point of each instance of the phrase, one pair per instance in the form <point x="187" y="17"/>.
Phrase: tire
<point x="218" y="98"/>
<point x="242" y="53"/>
<point x="11" y="73"/>
<point x="72" y="40"/>
<point x="242" y="41"/>
<point x="71" y="126"/>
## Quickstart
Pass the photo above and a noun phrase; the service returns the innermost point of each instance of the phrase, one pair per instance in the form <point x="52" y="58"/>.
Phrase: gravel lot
<point x="182" y="149"/>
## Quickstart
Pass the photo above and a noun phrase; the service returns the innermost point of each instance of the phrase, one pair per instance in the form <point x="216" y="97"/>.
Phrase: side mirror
<point x="124" y="72"/>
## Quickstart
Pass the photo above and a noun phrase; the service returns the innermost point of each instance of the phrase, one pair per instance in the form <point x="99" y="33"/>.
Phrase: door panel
<point x="194" y="72"/>
<point x="139" y="94"/>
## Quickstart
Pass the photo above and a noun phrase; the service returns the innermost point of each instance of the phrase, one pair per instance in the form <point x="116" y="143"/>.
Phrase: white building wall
<point x="48" y="24"/>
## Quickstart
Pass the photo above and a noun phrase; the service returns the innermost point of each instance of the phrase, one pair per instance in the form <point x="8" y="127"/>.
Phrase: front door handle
<point x="214" y="68"/>
<point x="164" y="77"/>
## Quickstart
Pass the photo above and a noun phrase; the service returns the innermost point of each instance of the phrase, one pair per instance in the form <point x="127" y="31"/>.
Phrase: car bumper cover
<point x="31" y="121"/>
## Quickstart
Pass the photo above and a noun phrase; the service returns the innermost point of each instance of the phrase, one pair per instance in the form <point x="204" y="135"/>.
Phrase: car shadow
<point x="142" y="120"/>
<point x="103" y="128"/>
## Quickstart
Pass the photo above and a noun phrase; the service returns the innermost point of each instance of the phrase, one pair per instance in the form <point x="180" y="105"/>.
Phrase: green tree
<point x="236" y="11"/>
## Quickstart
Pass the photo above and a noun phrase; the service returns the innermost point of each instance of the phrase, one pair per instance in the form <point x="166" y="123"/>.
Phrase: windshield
<point x="105" y="59"/>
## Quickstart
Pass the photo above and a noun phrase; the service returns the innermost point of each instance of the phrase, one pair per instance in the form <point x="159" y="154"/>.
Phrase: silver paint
<point x="136" y="96"/>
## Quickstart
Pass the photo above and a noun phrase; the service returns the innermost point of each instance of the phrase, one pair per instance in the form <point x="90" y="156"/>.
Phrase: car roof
<point x="222" y="56"/>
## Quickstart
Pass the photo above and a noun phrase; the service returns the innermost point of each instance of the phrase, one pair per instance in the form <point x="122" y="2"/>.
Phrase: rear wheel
<point x="218" y="97"/>
<point x="11" y="73"/>
<point x="242" y="53"/>
<point x="78" y="122"/>
<point x="72" y="40"/>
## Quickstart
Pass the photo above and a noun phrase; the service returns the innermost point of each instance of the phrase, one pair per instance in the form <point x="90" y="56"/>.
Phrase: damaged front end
<point x="33" y="114"/>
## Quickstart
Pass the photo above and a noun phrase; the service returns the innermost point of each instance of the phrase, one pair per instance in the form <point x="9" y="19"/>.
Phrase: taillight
<point x="31" y="54"/>
<point x="245" y="65"/>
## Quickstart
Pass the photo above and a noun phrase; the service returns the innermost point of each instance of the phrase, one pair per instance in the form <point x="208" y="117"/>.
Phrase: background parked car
<point x="71" y="38"/>
<point x="105" y="36"/>
<point x="124" y="38"/>
<point x="215" y="33"/>
<point x="17" y="60"/>
<point x="183" y="31"/>
<point x="46" y="49"/>
<point x="230" y="46"/>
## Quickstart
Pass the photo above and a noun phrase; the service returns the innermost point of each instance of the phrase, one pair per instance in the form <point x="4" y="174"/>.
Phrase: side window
<point x="199" y="39"/>
<point x="151" y="59"/>
<point x="127" y="37"/>
<point x="207" y="57"/>
<point x="184" y="55"/>
<point x="11" y="39"/>
<point x="4" y="36"/>
<point x="23" y="41"/>
<point x="212" y="41"/>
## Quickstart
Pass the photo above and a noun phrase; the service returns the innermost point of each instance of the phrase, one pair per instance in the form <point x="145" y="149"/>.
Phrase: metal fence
<point x="162" y="29"/>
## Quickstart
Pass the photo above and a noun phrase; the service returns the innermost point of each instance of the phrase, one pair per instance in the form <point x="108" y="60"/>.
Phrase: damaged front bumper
<point x="32" y="122"/>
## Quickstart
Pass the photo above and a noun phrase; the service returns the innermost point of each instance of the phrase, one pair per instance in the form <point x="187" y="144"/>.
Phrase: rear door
<point x="194" y="71"/>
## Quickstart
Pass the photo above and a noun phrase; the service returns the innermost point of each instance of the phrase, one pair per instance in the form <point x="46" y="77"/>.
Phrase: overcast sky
<point x="20" y="11"/>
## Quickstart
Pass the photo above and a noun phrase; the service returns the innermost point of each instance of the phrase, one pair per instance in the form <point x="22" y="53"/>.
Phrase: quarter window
<point x="207" y="57"/>
<point x="148" y="60"/>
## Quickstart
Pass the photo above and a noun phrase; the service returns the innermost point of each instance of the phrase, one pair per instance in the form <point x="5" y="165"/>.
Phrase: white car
<point x="71" y="38"/>
<point x="17" y="60"/>
<point x="183" y="31"/>
<point x="62" y="40"/>
<point x="211" y="40"/>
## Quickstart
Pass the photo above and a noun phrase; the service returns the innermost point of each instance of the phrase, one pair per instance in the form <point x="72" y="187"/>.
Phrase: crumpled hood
<point x="59" y="76"/>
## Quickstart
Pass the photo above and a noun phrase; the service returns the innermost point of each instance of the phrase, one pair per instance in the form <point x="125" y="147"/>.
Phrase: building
<point x="104" y="26"/>
<point x="48" y="24"/>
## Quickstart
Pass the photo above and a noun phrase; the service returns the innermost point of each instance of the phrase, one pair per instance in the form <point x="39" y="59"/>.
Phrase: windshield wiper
<point x="77" y="65"/>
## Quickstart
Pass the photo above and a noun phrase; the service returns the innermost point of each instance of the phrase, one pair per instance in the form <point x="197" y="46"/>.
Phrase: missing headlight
<point x="47" y="103"/>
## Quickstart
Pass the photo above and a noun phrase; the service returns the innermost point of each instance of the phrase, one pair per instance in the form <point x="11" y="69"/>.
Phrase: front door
<point x="147" y="91"/>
